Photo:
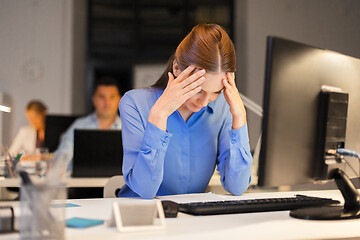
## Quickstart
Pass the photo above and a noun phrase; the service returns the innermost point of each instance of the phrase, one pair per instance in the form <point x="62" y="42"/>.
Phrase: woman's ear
<point x="176" y="68"/>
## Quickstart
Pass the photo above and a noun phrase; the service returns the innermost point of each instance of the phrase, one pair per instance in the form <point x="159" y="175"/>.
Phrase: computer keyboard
<point x="254" y="205"/>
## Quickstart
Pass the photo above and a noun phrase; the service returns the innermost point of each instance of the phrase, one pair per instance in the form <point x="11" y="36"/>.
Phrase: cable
<point x="347" y="163"/>
<point x="347" y="152"/>
<point x="350" y="153"/>
<point x="341" y="152"/>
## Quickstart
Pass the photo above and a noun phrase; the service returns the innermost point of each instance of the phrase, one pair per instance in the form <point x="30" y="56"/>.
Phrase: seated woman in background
<point x="32" y="136"/>
<point x="191" y="120"/>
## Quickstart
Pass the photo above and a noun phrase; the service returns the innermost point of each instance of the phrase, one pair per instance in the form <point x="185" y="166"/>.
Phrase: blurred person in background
<point x="106" y="97"/>
<point x="31" y="137"/>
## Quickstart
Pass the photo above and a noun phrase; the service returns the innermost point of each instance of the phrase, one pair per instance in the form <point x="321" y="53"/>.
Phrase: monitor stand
<point x="350" y="210"/>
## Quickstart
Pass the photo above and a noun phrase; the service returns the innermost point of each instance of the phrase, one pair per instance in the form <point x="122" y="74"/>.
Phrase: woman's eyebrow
<point x="220" y="90"/>
<point x="217" y="91"/>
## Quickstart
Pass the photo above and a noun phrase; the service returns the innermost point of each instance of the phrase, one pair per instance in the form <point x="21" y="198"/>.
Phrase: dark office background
<point x="125" y="33"/>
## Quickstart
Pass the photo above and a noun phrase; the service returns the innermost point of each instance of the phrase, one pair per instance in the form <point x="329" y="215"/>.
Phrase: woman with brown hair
<point x="192" y="119"/>
<point x="32" y="136"/>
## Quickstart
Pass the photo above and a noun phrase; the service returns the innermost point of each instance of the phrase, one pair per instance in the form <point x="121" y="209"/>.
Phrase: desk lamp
<point x="257" y="109"/>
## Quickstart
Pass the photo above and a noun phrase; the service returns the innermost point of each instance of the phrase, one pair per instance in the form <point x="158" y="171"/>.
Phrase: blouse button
<point x="164" y="144"/>
<point x="233" y="141"/>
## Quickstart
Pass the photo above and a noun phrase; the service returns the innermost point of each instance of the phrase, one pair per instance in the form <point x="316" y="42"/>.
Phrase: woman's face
<point x="35" y="119"/>
<point x="210" y="90"/>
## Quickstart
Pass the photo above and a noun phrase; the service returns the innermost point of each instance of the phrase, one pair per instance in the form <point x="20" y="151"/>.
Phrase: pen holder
<point x="8" y="167"/>
<point x="41" y="217"/>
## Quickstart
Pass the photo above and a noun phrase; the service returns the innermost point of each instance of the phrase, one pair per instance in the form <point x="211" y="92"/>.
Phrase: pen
<point x="9" y="167"/>
<point x="9" y="163"/>
<point x="17" y="159"/>
<point x="3" y="149"/>
<point x="19" y="156"/>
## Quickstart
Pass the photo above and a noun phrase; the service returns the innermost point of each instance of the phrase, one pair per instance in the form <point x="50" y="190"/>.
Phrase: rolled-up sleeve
<point x="144" y="147"/>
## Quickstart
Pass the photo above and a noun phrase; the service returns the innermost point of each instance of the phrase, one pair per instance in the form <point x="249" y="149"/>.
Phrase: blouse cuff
<point x="240" y="137"/>
<point x="156" y="138"/>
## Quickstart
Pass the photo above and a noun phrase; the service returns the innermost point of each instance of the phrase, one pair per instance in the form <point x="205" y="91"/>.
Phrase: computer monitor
<point x="291" y="147"/>
<point x="55" y="126"/>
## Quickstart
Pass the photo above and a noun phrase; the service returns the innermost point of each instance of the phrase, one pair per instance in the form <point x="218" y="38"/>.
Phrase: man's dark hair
<point x="106" y="81"/>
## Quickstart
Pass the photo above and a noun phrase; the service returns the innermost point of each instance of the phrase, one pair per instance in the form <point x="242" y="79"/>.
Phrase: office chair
<point x="113" y="186"/>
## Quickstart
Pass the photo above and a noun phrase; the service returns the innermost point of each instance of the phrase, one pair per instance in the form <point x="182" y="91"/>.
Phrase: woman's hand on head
<point x="177" y="91"/>
<point x="233" y="98"/>
<point x="181" y="88"/>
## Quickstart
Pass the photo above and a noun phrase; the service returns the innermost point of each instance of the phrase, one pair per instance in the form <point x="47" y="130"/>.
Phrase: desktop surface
<point x="264" y="225"/>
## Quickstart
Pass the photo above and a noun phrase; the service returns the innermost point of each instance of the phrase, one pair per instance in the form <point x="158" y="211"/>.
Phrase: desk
<point x="214" y="184"/>
<point x="99" y="182"/>
<point x="70" y="182"/>
<point x="269" y="225"/>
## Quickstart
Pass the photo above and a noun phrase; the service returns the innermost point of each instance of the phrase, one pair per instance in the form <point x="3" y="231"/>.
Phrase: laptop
<point x="97" y="153"/>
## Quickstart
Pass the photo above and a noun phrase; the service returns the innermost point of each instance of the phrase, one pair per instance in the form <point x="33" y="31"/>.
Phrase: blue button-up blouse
<point x="181" y="159"/>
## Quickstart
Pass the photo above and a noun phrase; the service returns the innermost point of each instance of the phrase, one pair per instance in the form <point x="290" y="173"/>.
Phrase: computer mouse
<point x="171" y="208"/>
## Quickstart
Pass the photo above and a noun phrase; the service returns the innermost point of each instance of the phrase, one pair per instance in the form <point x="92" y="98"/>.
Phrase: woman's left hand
<point x="233" y="98"/>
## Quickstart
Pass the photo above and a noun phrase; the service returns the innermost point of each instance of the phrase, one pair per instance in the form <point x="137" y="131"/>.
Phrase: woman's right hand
<point x="177" y="91"/>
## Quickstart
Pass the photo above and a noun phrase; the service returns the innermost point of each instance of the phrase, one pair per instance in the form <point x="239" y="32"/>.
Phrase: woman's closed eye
<point x="215" y="93"/>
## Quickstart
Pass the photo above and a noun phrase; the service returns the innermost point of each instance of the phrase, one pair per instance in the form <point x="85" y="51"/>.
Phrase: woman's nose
<point x="204" y="100"/>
